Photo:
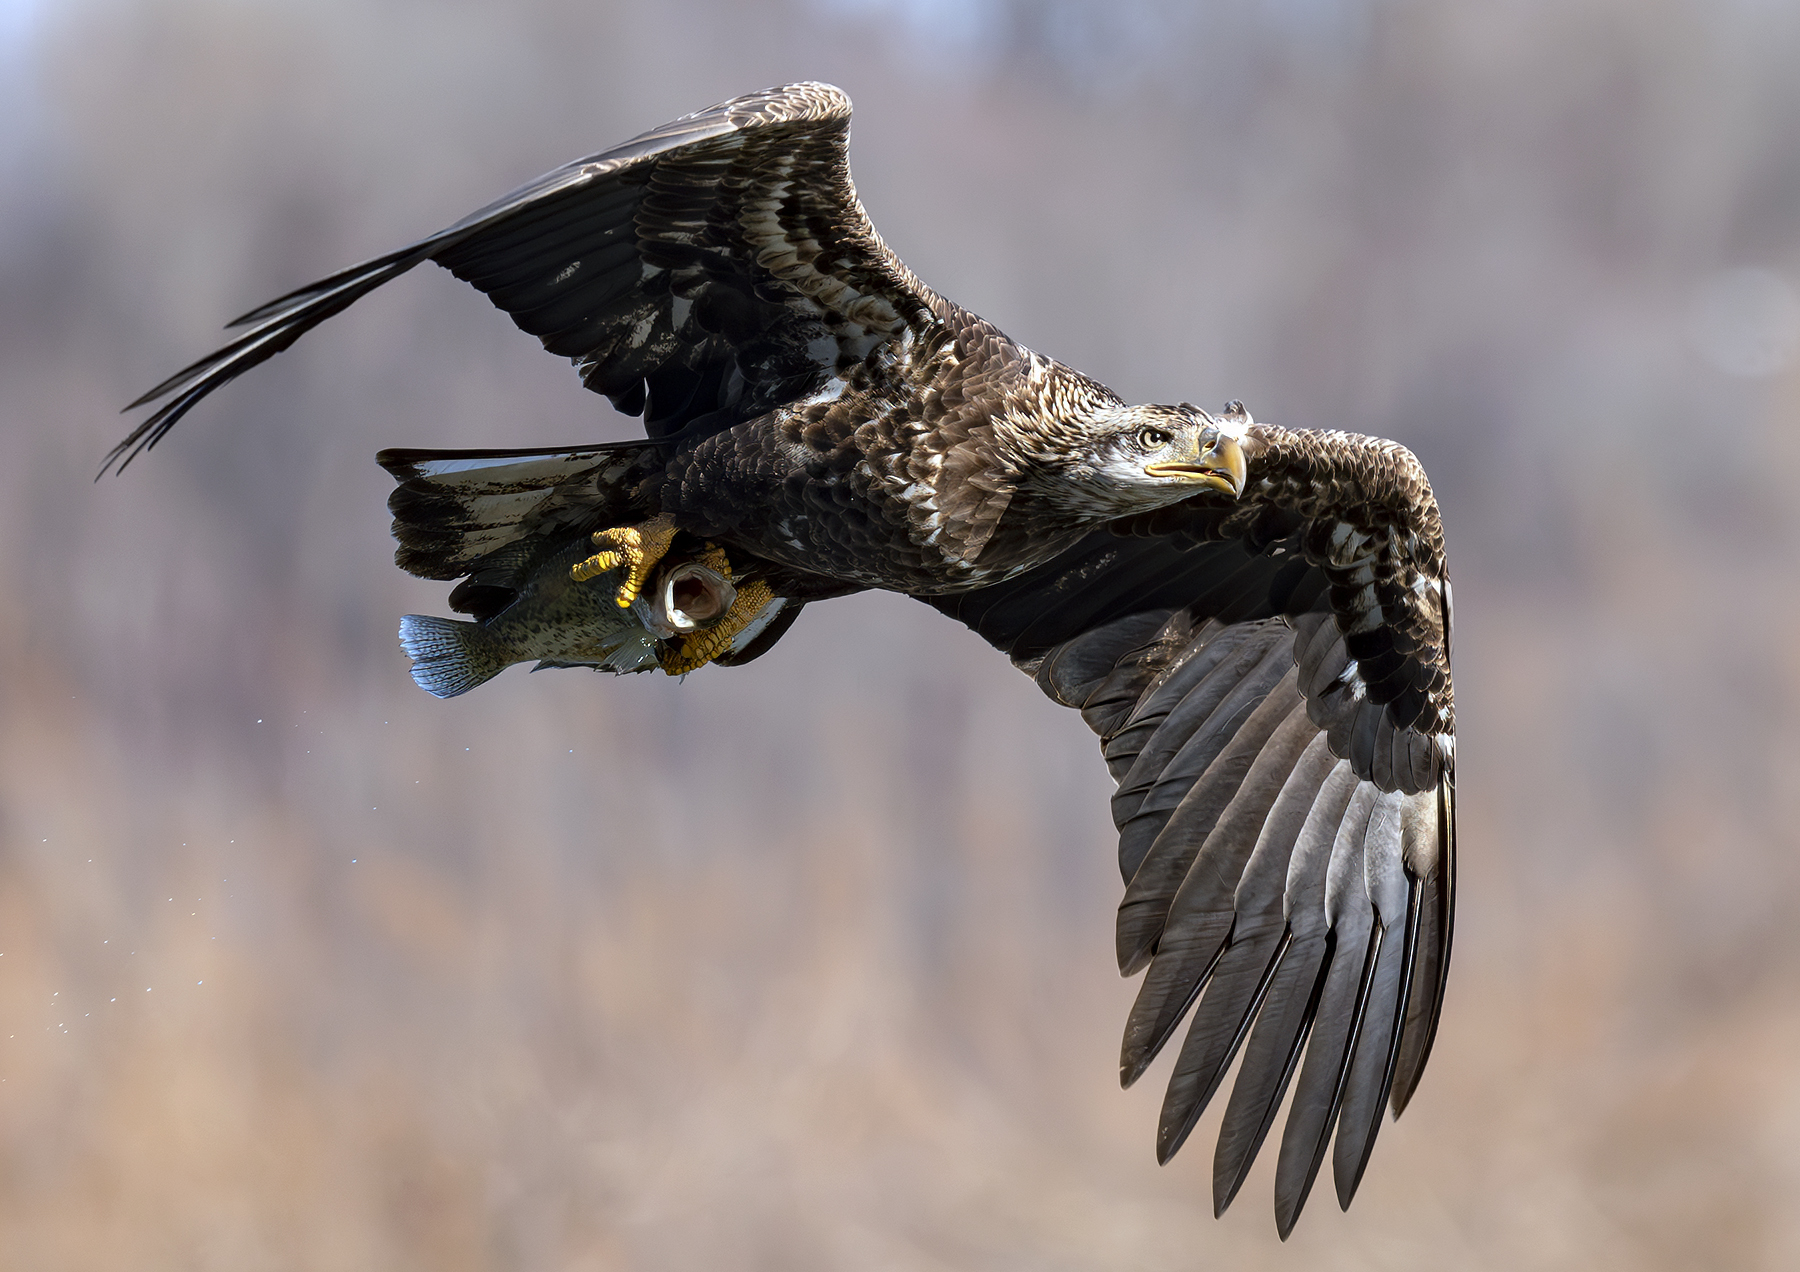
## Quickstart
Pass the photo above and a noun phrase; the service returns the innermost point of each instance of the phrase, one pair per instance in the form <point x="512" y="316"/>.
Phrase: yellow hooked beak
<point x="1218" y="463"/>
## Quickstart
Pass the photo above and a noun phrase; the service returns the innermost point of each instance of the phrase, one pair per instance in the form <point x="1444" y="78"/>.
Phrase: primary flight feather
<point x="1254" y="620"/>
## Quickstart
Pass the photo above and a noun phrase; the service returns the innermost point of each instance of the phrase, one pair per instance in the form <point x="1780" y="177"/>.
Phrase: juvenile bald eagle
<point x="1255" y="621"/>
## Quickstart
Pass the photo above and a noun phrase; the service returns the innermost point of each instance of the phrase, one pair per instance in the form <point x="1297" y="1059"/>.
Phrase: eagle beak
<point x="1220" y="465"/>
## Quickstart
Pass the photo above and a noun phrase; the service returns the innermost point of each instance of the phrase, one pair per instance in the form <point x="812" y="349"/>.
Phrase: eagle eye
<point x="1153" y="439"/>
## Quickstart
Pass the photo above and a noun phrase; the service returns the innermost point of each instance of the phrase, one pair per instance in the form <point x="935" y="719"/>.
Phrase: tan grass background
<point x="808" y="964"/>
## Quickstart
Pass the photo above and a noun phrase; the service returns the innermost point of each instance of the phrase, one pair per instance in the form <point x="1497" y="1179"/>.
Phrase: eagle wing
<point x="1272" y="695"/>
<point x="700" y="274"/>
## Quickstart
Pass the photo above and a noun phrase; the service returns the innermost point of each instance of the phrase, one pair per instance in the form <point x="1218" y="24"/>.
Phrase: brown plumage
<point x="1254" y="620"/>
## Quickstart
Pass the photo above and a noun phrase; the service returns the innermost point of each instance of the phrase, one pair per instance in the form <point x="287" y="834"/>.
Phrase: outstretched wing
<point x="701" y="274"/>
<point x="1272" y="695"/>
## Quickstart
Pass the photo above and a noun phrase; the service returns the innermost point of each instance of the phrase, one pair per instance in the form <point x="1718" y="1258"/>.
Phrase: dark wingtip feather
<point x="1162" y="1000"/>
<point x="1190" y="1091"/>
<point x="1444" y="885"/>
<point x="146" y="435"/>
<point x="1229" y="1177"/>
<point x="279" y="324"/>
<point x="1232" y="1162"/>
<point x="1347" y="1186"/>
<point x="1289" y="1202"/>
<point x="1134" y="954"/>
<point x="292" y="300"/>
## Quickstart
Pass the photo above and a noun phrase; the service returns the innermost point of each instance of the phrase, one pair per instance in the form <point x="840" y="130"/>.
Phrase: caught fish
<point x="560" y="622"/>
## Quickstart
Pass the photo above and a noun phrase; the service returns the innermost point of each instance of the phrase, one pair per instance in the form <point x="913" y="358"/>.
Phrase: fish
<point x="560" y="622"/>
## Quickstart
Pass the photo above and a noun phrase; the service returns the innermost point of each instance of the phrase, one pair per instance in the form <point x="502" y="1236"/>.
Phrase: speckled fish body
<point x="559" y="622"/>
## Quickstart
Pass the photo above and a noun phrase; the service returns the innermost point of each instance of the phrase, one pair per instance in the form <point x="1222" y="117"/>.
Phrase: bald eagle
<point x="1254" y="620"/>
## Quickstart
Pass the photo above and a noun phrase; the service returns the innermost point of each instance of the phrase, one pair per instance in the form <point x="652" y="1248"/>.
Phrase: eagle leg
<point x="696" y="649"/>
<point x="638" y="548"/>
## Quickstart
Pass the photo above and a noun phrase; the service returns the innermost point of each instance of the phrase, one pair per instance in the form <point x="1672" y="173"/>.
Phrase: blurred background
<point x="808" y="964"/>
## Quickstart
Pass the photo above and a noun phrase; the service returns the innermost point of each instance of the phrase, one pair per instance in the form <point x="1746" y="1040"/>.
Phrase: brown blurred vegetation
<point x="808" y="964"/>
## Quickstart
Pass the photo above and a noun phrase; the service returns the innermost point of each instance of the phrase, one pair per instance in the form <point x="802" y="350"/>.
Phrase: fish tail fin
<point x="451" y="657"/>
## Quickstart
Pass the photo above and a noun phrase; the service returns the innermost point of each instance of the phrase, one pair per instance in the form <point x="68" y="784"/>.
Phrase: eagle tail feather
<point x="454" y="508"/>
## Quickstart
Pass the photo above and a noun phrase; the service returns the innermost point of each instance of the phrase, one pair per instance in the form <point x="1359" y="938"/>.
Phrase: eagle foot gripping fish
<point x="691" y="612"/>
<point x="637" y="548"/>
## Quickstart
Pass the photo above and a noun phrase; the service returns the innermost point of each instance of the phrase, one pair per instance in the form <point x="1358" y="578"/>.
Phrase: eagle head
<point x="1124" y="460"/>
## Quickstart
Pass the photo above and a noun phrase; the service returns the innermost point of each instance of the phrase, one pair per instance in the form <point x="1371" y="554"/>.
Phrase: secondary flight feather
<point x="1254" y="620"/>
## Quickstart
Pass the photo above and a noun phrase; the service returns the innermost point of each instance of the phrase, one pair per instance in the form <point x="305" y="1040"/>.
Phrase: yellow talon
<point x="699" y="648"/>
<point x="638" y="548"/>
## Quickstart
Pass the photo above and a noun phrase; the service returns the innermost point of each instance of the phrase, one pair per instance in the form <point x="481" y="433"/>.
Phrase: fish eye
<point x="1153" y="439"/>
